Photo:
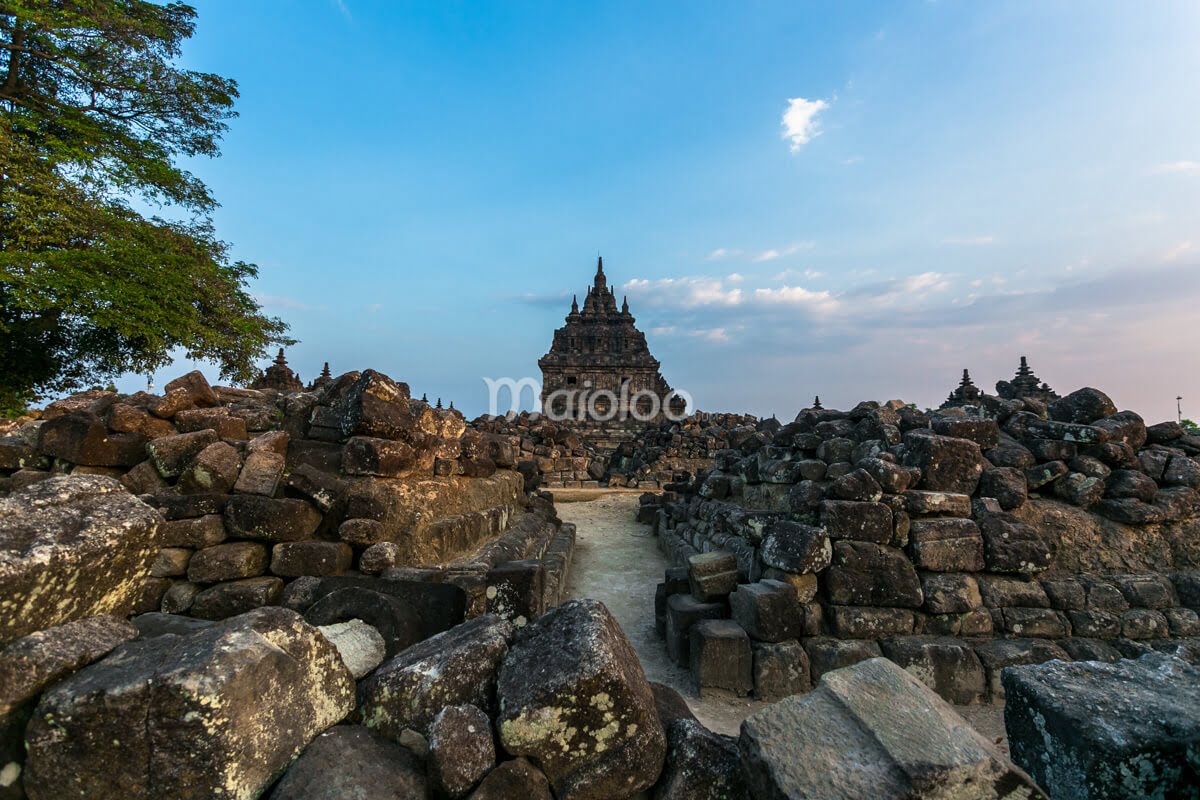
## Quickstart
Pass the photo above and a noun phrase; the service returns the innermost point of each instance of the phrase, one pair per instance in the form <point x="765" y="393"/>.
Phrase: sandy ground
<point x="618" y="562"/>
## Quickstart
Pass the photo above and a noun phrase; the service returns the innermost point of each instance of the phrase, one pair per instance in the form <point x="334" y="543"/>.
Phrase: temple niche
<point x="279" y="377"/>
<point x="600" y="351"/>
<point x="1025" y="385"/>
<point x="966" y="394"/>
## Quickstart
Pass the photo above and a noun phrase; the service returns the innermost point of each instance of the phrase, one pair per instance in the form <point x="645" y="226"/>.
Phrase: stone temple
<point x="599" y="368"/>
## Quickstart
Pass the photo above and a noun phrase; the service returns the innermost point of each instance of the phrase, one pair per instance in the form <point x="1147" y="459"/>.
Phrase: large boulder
<point x="701" y="765"/>
<point x="947" y="464"/>
<point x="1095" y="730"/>
<point x="872" y="730"/>
<point x="348" y="762"/>
<point x="30" y="664"/>
<point x="456" y="667"/>
<point x="72" y="547"/>
<point x="574" y="698"/>
<point x="219" y="712"/>
<point x="1082" y="406"/>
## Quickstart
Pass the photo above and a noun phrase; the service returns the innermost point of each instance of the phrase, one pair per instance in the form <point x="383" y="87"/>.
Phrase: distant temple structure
<point x="967" y="393"/>
<point x="600" y="351"/>
<point x="279" y="377"/>
<point x="1025" y="385"/>
<point x="324" y="378"/>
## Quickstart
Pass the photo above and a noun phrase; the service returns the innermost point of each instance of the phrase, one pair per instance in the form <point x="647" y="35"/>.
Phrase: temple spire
<point x="817" y="403"/>
<point x="625" y="304"/>
<point x="601" y="282"/>
<point x="574" y="304"/>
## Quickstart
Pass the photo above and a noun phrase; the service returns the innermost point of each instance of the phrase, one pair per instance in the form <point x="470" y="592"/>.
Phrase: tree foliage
<point x="95" y="116"/>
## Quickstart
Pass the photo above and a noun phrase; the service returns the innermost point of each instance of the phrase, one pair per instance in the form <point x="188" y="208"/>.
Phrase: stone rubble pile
<point x="259" y="488"/>
<point x="954" y="543"/>
<point x="662" y="454"/>
<point x="551" y="454"/>
<point x="265" y="705"/>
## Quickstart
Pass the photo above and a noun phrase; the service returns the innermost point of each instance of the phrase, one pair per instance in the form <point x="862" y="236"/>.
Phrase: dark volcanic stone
<point x="1010" y="545"/>
<point x="253" y="517"/>
<point x="348" y="761"/>
<point x="857" y="485"/>
<point x="72" y="547"/>
<point x="720" y="657"/>
<point x="514" y="779"/>
<point x="1006" y="484"/>
<point x="946" y="545"/>
<point x="219" y="712"/>
<point x="796" y="547"/>
<point x="1130" y="483"/>
<point x="1083" y="406"/>
<point x="236" y="597"/>
<point x="871" y="731"/>
<point x="397" y="621"/>
<point x="870" y="574"/>
<point x="83" y="438"/>
<point x="864" y="521"/>
<point x="461" y="750"/>
<point x="1095" y="730"/>
<point x="769" y="610"/>
<point x="946" y="464"/>
<point x="571" y="682"/>
<point x="228" y="562"/>
<point x="172" y="454"/>
<point x="700" y="765"/>
<point x="780" y="669"/>
<point x="946" y="665"/>
<point x="453" y="668"/>
<point x="293" y="559"/>
<point x="33" y="662"/>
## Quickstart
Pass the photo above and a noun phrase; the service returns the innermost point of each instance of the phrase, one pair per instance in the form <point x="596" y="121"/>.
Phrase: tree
<point x="95" y="116"/>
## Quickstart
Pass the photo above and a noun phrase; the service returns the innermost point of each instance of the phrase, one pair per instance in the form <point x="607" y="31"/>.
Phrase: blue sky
<point x="956" y="184"/>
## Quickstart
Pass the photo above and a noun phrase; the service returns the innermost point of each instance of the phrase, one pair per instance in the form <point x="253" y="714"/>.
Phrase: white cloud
<point x="1178" y="250"/>
<point x="932" y="281"/>
<point x="710" y="334"/>
<point x="788" y="274"/>
<point x="279" y="301"/>
<point x="720" y="253"/>
<point x="735" y="277"/>
<point x="820" y="302"/>
<point x="969" y="241"/>
<point x="375" y="308"/>
<point x="791" y="249"/>
<point x="852" y="160"/>
<point x="687" y="292"/>
<point x="1180" y="167"/>
<point x="800" y="121"/>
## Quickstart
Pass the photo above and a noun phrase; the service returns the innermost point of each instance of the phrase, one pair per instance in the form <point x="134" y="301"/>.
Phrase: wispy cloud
<point x="685" y="292"/>
<point x="735" y="277"/>
<point x="799" y="121"/>
<point x="1179" y="167"/>
<point x="791" y="249"/>
<point x="969" y="241"/>
<point x="790" y="274"/>
<point x="722" y="253"/>
<point x="821" y="302"/>
<point x="342" y="7"/>
<point x="1178" y="250"/>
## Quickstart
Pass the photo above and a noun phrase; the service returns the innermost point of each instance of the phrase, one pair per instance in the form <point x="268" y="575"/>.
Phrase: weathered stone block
<point x="293" y="559"/>
<point x="254" y="517"/>
<point x="872" y="730"/>
<point x="769" y="611"/>
<point x="713" y="575"/>
<point x="946" y="665"/>
<point x="862" y="521"/>
<point x="348" y="761"/>
<point x="1003" y="592"/>
<point x="219" y="712"/>
<point x="72" y="547"/>
<point x="720" y="657"/>
<point x="573" y="696"/>
<point x="946" y="545"/>
<point x="261" y="473"/>
<point x="950" y="593"/>
<point x="869" y="622"/>
<point x="1094" y="730"/>
<point x="172" y="454"/>
<point x="780" y="669"/>
<point x="826" y="655"/>
<point x="997" y="654"/>
<point x="683" y="611"/>
<point x="795" y="547"/>
<point x="1010" y="545"/>
<point x="364" y="455"/>
<point x="227" y="562"/>
<point x="921" y="503"/>
<point x="947" y="464"/>
<point x="871" y="575"/>
<point x="453" y="668"/>
<point x="225" y="600"/>
<point x="461" y="750"/>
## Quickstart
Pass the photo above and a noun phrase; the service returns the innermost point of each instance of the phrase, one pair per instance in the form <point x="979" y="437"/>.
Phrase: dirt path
<point x="617" y="561"/>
